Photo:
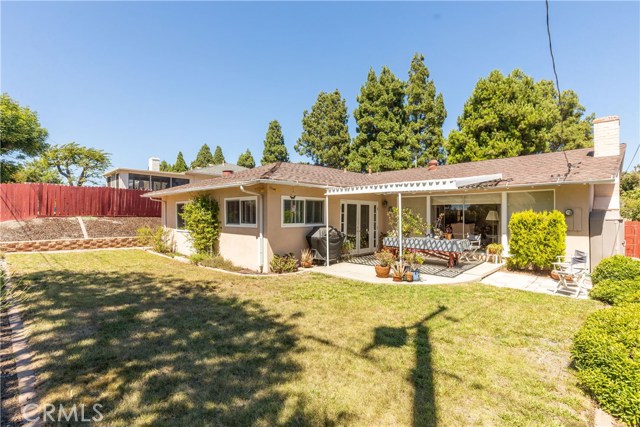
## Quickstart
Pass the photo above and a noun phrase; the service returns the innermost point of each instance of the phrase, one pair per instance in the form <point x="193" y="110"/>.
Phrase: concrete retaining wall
<point x="70" y="244"/>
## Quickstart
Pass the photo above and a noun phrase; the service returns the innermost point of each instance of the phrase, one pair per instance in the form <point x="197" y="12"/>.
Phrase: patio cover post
<point x="326" y="218"/>
<point x="399" y="225"/>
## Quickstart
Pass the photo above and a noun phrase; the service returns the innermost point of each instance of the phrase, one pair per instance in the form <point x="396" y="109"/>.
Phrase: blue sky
<point x="152" y="78"/>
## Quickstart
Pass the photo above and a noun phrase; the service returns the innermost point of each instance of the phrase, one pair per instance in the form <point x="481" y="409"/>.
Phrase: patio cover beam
<point x="414" y="186"/>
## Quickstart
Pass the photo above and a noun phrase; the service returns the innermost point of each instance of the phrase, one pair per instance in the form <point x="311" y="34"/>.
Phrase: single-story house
<point x="155" y="179"/>
<point x="269" y="209"/>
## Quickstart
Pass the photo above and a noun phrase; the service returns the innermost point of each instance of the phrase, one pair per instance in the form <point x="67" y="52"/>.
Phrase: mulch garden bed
<point x="117" y="226"/>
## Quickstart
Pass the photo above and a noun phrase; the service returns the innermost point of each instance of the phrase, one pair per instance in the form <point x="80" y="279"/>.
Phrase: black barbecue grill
<point x="317" y="240"/>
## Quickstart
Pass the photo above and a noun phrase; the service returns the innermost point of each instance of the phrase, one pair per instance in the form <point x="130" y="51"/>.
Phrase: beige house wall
<point x="241" y="244"/>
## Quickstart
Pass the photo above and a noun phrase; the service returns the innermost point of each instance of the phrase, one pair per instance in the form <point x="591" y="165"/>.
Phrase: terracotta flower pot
<point x="382" y="271"/>
<point x="397" y="278"/>
<point x="307" y="264"/>
<point x="408" y="276"/>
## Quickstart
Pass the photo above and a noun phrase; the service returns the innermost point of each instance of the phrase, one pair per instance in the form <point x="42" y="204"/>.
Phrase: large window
<point x="139" y="182"/>
<point x="178" y="181"/>
<point x="240" y="212"/>
<point x="470" y="214"/>
<point x="160" y="182"/>
<point x="302" y="211"/>
<point x="180" y="225"/>
<point x="524" y="200"/>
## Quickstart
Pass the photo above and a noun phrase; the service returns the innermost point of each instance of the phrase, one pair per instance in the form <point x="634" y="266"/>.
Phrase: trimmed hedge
<point x="537" y="239"/>
<point x="606" y="353"/>
<point x="615" y="291"/>
<point x="617" y="267"/>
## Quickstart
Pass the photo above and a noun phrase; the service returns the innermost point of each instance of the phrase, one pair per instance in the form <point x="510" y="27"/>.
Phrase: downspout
<point x="261" y="226"/>
<point x="400" y="253"/>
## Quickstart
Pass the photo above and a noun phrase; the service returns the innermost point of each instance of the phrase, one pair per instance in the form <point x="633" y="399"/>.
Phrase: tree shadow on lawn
<point x="424" y="401"/>
<point x="159" y="350"/>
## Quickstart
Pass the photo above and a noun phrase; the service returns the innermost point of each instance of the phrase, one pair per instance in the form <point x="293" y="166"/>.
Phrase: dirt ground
<point x="10" y="412"/>
<point x="69" y="228"/>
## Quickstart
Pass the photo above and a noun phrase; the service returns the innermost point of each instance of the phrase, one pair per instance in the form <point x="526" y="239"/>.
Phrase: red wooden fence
<point x="632" y="238"/>
<point x="25" y="201"/>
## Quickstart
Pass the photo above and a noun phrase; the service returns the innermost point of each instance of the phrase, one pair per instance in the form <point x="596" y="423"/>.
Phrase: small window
<point x="302" y="211"/>
<point x="241" y="212"/>
<point x="180" y="225"/>
<point x="178" y="181"/>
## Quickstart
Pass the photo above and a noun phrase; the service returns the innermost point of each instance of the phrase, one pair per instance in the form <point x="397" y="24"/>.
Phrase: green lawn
<point x="162" y="343"/>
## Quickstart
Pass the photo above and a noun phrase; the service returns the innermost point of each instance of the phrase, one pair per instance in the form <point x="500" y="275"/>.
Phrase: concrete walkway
<point x="366" y="273"/>
<point x="532" y="283"/>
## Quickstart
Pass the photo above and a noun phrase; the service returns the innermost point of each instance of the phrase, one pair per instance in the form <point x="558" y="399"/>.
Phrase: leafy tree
<point x="77" y="164"/>
<point x="218" y="157"/>
<point x="21" y="136"/>
<point x="508" y="116"/>
<point x="573" y="130"/>
<point x="165" y="167"/>
<point x="204" y="158"/>
<point x="274" y="148"/>
<point x="380" y="116"/>
<point x="425" y="114"/>
<point x="201" y="218"/>
<point x="180" y="165"/>
<point x="246" y="160"/>
<point x="325" y="135"/>
<point x="37" y="170"/>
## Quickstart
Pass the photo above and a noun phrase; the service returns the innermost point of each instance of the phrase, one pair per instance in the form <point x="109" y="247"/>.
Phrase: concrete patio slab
<point x="533" y="283"/>
<point x="366" y="273"/>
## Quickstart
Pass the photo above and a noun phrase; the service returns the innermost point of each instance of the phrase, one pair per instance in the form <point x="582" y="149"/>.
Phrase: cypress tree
<point x="246" y="160"/>
<point x="204" y="158"/>
<point x="274" y="148"/>
<point x="180" y="165"/>
<point x="325" y="135"/>
<point x="218" y="157"/>
<point x="425" y="114"/>
<point x="380" y="116"/>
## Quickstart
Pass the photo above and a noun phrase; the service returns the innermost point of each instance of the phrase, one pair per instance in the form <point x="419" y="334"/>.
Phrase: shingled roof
<point x="573" y="166"/>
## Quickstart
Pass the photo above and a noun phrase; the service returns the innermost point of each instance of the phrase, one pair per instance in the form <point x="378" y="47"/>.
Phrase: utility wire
<point x="634" y="156"/>
<point x="555" y="73"/>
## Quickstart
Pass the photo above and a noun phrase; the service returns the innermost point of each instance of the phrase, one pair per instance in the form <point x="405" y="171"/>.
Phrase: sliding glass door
<point x="359" y="221"/>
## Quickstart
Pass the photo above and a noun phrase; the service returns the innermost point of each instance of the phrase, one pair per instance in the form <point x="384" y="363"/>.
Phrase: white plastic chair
<point x="571" y="273"/>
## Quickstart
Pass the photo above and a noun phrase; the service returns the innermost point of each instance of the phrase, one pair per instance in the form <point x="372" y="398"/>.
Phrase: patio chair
<point x="474" y="253"/>
<point x="571" y="273"/>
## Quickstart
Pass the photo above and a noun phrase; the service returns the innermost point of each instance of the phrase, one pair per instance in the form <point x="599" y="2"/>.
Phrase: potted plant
<point x="397" y="269"/>
<point x="494" y="251"/>
<point x="418" y="260"/>
<point x="384" y="257"/>
<point x="345" y="250"/>
<point x="306" y="258"/>
<point x="409" y="258"/>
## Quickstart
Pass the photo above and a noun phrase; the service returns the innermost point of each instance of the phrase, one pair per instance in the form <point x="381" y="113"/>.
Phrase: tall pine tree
<point x="204" y="158"/>
<point x="325" y="135"/>
<point x="380" y="144"/>
<point x="246" y="160"/>
<point x="425" y="114"/>
<point x="274" y="148"/>
<point x="508" y="116"/>
<point x="218" y="157"/>
<point x="180" y="165"/>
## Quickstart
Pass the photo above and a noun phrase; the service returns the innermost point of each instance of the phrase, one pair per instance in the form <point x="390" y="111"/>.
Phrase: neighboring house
<point x="270" y="209"/>
<point x="154" y="179"/>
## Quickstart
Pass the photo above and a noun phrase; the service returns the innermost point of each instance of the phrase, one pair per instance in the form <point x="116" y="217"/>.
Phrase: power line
<point x="634" y="156"/>
<point x="553" y="60"/>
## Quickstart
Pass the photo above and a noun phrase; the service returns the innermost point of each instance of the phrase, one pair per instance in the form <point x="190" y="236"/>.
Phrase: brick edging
<point x="70" y="244"/>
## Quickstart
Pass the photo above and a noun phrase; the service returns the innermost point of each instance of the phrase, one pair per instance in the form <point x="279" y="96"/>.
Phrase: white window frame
<point x="300" y="224"/>
<point x="240" y="199"/>
<point x="182" y="202"/>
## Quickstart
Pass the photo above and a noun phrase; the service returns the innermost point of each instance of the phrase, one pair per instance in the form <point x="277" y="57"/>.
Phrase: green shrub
<point x="537" y="239"/>
<point x="284" y="264"/>
<point x="615" y="291"/>
<point x="197" y="258"/>
<point x="201" y="219"/>
<point x="617" y="267"/>
<point x="606" y="353"/>
<point x="630" y="208"/>
<point x="157" y="238"/>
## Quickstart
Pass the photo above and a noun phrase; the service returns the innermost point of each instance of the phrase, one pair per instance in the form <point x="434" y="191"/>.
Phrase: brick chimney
<point x="227" y="172"/>
<point x="606" y="136"/>
<point x="154" y="164"/>
<point x="433" y="165"/>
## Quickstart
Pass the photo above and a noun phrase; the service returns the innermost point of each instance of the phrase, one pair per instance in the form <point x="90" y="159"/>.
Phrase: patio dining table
<point x="449" y="250"/>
